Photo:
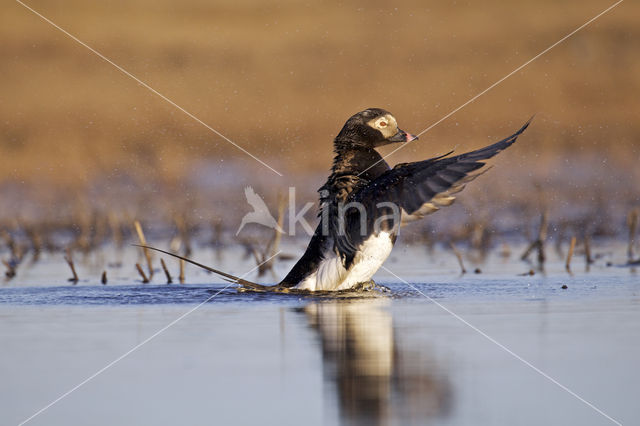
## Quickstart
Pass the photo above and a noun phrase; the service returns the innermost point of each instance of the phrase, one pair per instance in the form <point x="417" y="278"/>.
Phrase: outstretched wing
<point x="412" y="190"/>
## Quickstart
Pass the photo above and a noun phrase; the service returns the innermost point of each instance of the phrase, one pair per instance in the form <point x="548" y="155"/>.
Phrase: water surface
<point x="398" y="358"/>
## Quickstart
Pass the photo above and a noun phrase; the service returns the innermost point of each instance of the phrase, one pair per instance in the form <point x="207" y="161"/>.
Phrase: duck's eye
<point x="384" y="124"/>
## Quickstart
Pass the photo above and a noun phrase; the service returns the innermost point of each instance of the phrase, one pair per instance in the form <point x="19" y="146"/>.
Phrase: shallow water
<point x="403" y="358"/>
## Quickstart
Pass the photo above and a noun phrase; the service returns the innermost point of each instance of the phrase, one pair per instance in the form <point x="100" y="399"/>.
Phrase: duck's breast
<point x="328" y="276"/>
<point x="332" y="275"/>
<point x="368" y="259"/>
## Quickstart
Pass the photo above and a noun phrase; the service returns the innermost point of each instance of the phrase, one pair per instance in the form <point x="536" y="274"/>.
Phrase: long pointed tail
<point x="227" y="277"/>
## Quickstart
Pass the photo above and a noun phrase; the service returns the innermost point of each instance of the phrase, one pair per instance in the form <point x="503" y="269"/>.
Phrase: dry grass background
<point x="280" y="78"/>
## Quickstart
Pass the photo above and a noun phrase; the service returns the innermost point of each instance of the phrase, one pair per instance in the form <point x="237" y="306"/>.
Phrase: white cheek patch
<point x="386" y="124"/>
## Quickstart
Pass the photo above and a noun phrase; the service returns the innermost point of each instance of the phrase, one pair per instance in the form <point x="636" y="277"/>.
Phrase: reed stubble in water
<point x="143" y="242"/>
<point x="459" y="257"/>
<point x="166" y="271"/>
<point x="68" y="257"/>
<point x="572" y="246"/>
<point x="145" y="279"/>
<point x="632" y="223"/>
<point x="539" y="242"/>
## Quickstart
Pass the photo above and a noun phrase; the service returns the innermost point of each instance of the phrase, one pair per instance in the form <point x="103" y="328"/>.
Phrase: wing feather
<point x="418" y="189"/>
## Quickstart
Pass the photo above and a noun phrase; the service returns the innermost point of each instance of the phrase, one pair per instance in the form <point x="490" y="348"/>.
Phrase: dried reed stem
<point x="572" y="246"/>
<point x="542" y="237"/>
<point x="539" y="242"/>
<point x="477" y="235"/>
<point x="183" y="231"/>
<point x="632" y="223"/>
<point x="11" y="244"/>
<point x="459" y="257"/>
<point x="143" y="242"/>
<point x="217" y="238"/>
<point x="36" y="242"/>
<point x="558" y="239"/>
<point x="11" y="269"/>
<point x="532" y="246"/>
<point x="103" y="280"/>
<point x="181" y="277"/>
<point x="84" y="221"/>
<point x="277" y="234"/>
<point x="69" y="260"/>
<point x="274" y="245"/>
<point x="505" y="251"/>
<point x="587" y="252"/>
<point x="166" y="271"/>
<point x="266" y="257"/>
<point x="142" y="274"/>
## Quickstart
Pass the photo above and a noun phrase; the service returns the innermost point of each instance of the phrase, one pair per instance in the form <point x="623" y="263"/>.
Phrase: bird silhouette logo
<point x="260" y="214"/>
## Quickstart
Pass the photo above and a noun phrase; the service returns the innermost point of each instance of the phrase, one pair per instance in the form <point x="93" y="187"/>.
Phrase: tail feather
<point x="251" y="286"/>
<point x="227" y="277"/>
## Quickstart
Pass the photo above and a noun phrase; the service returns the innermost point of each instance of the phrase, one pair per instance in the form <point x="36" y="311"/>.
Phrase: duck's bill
<point x="402" y="136"/>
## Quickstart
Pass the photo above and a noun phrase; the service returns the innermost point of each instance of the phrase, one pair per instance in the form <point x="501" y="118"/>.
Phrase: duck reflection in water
<point x="377" y="381"/>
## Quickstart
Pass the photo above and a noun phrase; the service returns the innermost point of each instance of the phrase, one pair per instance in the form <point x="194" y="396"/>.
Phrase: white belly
<point x="331" y="274"/>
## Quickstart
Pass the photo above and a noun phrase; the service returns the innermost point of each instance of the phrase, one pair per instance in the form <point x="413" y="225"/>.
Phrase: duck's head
<point x="371" y="128"/>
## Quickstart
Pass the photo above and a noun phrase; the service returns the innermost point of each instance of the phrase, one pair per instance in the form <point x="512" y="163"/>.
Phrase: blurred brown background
<point x="281" y="78"/>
